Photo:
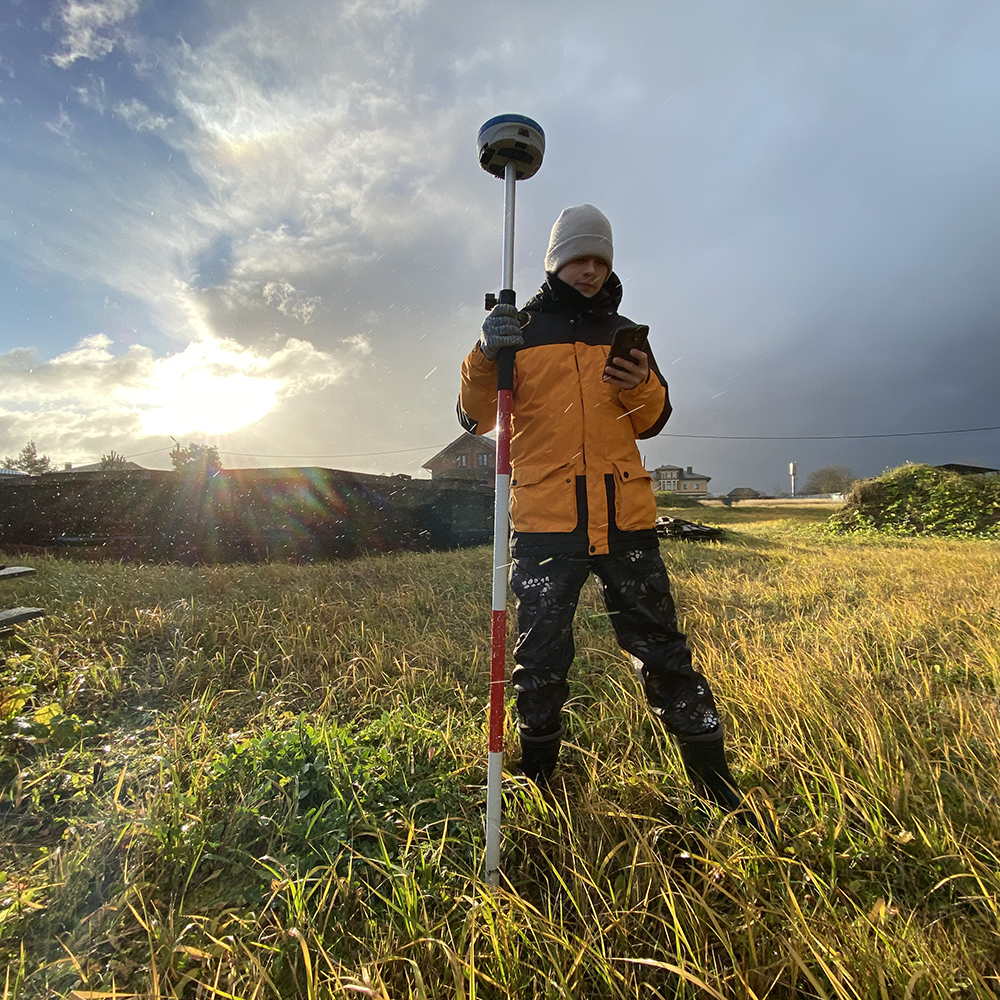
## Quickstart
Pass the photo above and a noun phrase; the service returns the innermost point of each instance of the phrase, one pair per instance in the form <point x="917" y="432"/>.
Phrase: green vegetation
<point x="920" y="499"/>
<point x="28" y="460"/>
<point x="113" y="462"/>
<point x="267" y="782"/>
<point x="675" y="501"/>
<point x="196" y="459"/>
<point x="829" y="479"/>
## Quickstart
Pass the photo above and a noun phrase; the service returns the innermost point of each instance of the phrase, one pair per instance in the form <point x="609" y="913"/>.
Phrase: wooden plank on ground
<point x="15" y="616"/>
<point x="10" y="572"/>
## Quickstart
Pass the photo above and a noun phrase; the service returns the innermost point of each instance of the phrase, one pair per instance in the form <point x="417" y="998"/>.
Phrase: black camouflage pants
<point x="636" y="592"/>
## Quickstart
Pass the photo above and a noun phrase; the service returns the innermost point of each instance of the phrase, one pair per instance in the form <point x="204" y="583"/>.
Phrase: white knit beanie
<point x="582" y="231"/>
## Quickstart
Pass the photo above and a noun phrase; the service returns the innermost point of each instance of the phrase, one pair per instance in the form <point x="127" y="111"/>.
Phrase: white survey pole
<point x="511" y="147"/>
<point x="501" y="559"/>
<point x="792" y="469"/>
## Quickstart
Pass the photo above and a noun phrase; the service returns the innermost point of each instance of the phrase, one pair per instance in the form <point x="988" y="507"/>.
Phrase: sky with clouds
<point x="263" y="225"/>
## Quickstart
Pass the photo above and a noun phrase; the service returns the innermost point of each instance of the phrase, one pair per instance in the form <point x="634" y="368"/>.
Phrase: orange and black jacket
<point x="577" y="482"/>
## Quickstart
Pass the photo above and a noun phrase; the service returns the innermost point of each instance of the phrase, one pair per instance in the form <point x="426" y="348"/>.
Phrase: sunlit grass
<point x="171" y="841"/>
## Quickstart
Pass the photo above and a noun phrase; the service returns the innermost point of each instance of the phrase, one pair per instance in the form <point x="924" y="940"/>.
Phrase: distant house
<point x="744" y="493"/>
<point x="94" y="467"/>
<point x="469" y="457"/>
<point x="968" y="470"/>
<point x="678" y="480"/>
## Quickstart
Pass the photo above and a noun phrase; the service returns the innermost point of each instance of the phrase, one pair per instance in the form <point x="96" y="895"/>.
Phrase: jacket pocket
<point x="543" y="498"/>
<point x="635" y="505"/>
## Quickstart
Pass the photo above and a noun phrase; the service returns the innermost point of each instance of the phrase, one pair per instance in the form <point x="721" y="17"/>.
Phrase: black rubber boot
<point x="539" y="755"/>
<point x="704" y="760"/>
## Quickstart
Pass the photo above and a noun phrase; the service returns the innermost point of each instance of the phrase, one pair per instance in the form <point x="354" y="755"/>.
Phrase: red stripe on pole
<point x="498" y="647"/>
<point x="497" y="680"/>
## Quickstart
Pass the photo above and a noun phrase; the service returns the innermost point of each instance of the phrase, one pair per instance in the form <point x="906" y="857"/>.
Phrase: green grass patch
<point x="268" y="781"/>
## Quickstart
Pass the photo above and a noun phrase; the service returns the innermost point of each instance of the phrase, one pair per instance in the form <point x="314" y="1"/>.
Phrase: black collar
<point x="557" y="296"/>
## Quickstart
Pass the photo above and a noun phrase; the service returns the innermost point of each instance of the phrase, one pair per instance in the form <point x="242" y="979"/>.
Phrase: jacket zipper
<point x="583" y="411"/>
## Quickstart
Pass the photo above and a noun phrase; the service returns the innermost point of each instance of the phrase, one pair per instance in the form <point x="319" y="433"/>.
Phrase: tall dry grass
<point x="280" y="793"/>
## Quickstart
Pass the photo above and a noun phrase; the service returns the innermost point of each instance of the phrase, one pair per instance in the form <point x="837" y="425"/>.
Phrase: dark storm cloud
<point x="827" y="265"/>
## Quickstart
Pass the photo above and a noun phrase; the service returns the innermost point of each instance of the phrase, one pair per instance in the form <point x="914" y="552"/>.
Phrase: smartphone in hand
<point x="627" y="336"/>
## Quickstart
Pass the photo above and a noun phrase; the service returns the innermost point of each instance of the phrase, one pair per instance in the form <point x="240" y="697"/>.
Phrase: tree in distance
<point x="113" y="462"/>
<point x="28" y="460"/>
<point x="829" y="479"/>
<point x="200" y="459"/>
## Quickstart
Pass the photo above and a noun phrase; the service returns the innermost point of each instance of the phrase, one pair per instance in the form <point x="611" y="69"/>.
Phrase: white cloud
<point x="291" y="303"/>
<point x="311" y="150"/>
<point x="91" y="30"/>
<point x="380" y="10"/>
<point x="214" y="386"/>
<point x="93" y="94"/>
<point x="359" y="342"/>
<point x="140" y="118"/>
<point x="305" y="174"/>
<point x="62" y="125"/>
<point x="330" y="155"/>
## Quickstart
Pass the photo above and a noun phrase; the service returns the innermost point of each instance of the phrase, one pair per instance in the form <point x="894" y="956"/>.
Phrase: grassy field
<point x="267" y="782"/>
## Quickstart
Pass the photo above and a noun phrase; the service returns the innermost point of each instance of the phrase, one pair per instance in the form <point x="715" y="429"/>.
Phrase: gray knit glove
<point x="502" y="328"/>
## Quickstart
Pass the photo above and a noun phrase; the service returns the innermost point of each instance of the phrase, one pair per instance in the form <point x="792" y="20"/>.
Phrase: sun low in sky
<point x="264" y="223"/>
<point x="206" y="388"/>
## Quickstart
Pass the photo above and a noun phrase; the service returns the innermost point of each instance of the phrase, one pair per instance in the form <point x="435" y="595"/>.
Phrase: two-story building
<point x="468" y="457"/>
<point x="676" y="479"/>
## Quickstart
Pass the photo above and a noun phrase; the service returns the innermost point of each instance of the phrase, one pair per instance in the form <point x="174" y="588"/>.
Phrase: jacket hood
<point x="557" y="296"/>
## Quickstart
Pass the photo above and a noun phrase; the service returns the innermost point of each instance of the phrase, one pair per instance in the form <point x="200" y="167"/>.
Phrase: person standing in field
<point x="582" y="503"/>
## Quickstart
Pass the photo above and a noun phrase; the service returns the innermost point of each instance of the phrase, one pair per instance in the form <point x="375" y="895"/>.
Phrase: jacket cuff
<point x="644" y="394"/>
<point x="479" y="362"/>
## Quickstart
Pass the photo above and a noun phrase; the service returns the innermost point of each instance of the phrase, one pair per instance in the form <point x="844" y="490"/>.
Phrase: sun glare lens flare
<point x="214" y="387"/>
<point x="202" y="401"/>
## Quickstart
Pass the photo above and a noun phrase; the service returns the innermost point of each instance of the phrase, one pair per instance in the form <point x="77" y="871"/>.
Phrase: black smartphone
<point x="626" y="337"/>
